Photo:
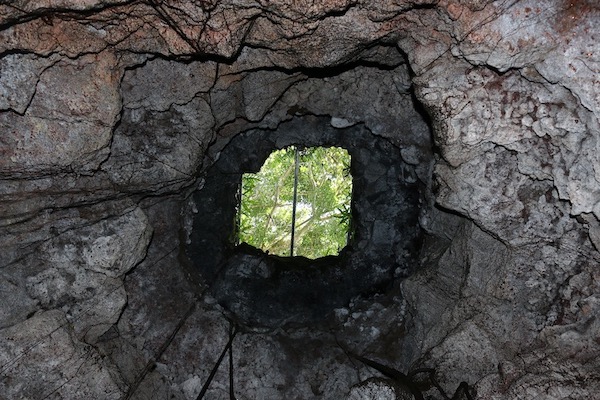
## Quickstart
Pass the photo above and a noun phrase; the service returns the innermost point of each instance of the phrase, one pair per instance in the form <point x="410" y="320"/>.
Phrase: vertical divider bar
<point x="296" y="169"/>
<point x="238" y="213"/>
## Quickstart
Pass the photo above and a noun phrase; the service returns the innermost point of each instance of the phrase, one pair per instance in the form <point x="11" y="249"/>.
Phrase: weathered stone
<point x="84" y="272"/>
<point x="160" y="84"/>
<point x="376" y="389"/>
<point x="170" y="159"/>
<point x="19" y="76"/>
<point x="153" y="311"/>
<point x="108" y="104"/>
<point x="16" y="304"/>
<point x="469" y="347"/>
<point x="41" y="357"/>
<point x="69" y="121"/>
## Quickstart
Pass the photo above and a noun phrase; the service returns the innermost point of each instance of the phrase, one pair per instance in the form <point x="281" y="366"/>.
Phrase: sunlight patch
<point x="299" y="203"/>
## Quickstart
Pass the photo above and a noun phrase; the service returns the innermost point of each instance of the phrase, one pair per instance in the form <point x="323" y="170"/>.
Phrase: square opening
<point x="299" y="203"/>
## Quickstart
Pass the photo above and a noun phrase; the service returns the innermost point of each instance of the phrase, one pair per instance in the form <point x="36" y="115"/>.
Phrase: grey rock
<point x="107" y="106"/>
<point x="19" y="76"/>
<point x="41" y="357"/>
<point x="376" y="389"/>
<point x="159" y="84"/>
<point x="16" y="304"/>
<point x="69" y="121"/>
<point x="162" y="150"/>
<point x="84" y="272"/>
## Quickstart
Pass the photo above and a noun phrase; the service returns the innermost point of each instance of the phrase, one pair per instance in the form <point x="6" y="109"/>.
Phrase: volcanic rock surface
<point x="112" y="112"/>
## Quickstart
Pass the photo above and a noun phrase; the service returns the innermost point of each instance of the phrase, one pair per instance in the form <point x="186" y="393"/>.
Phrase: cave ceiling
<point x="112" y="112"/>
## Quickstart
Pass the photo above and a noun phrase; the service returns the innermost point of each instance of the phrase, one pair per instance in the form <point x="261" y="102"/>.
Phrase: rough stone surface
<point x="42" y="358"/>
<point x="376" y="389"/>
<point x="112" y="110"/>
<point x="68" y="121"/>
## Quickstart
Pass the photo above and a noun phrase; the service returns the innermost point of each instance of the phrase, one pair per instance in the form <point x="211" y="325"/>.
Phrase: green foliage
<point x="323" y="203"/>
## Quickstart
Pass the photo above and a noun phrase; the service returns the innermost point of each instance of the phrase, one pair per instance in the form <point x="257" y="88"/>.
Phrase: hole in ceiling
<point x="263" y="290"/>
<point x="298" y="204"/>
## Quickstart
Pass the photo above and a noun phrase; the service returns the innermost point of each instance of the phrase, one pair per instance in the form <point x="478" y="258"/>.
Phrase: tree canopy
<point x="324" y="193"/>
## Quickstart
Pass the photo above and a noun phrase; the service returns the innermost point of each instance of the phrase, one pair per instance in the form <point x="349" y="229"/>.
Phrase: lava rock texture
<point x="112" y="111"/>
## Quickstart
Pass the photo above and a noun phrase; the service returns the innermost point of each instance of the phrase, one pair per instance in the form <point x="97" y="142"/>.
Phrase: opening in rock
<point x="298" y="204"/>
<point x="261" y="289"/>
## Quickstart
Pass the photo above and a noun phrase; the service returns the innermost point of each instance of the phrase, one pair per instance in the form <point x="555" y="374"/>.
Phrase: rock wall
<point x="111" y="111"/>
